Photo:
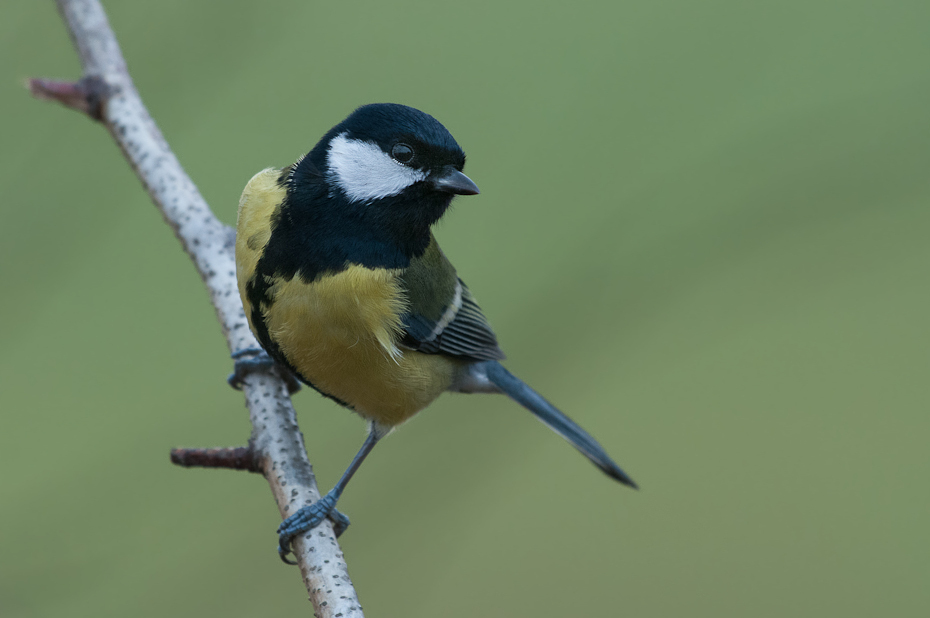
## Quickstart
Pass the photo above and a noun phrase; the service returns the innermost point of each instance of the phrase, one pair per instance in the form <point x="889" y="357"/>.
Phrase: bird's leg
<point x="312" y="515"/>
<point x="259" y="361"/>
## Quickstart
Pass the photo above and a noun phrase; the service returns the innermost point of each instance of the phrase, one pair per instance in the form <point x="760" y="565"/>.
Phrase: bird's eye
<point x="402" y="153"/>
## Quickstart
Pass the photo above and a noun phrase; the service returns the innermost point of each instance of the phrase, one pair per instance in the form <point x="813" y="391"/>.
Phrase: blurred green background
<point x="703" y="232"/>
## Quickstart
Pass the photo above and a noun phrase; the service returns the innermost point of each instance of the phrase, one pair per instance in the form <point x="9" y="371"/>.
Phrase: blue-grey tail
<point x="517" y="390"/>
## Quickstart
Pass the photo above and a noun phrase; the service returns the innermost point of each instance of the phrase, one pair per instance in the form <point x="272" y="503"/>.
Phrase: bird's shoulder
<point x="442" y="315"/>
<point x="262" y="197"/>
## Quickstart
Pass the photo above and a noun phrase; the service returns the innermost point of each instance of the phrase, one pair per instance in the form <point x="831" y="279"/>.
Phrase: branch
<point x="106" y="93"/>
<point x="237" y="458"/>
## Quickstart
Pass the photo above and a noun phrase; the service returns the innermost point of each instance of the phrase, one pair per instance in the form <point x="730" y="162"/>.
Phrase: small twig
<point x="106" y="93"/>
<point x="87" y="95"/>
<point x="234" y="458"/>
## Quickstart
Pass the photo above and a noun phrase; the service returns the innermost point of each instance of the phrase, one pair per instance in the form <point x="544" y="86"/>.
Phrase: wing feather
<point x="443" y="317"/>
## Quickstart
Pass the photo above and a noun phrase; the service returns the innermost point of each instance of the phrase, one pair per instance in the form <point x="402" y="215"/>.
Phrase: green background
<point x="703" y="232"/>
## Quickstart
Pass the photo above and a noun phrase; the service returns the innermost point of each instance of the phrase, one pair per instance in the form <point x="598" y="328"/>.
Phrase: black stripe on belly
<point x="256" y="291"/>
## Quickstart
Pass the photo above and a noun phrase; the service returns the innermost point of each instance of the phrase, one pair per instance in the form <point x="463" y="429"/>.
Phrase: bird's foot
<point x="340" y="522"/>
<point x="307" y="518"/>
<point x="250" y="360"/>
<point x="247" y="361"/>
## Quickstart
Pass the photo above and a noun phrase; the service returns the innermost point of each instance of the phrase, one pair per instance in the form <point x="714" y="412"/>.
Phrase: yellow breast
<point x="341" y="332"/>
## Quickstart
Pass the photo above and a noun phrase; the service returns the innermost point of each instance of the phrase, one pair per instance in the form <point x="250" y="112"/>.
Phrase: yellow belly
<point x="341" y="332"/>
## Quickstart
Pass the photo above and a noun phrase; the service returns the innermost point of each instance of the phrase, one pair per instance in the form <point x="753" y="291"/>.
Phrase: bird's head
<point x="387" y="163"/>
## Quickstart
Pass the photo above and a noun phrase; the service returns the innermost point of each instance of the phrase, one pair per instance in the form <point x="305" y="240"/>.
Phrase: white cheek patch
<point x="365" y="172"/>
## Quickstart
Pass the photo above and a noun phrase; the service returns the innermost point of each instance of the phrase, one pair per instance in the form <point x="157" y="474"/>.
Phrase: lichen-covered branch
<point x="106" y="93"/>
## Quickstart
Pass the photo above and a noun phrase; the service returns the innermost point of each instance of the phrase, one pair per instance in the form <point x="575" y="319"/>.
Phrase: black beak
<point x="453" y="181"/>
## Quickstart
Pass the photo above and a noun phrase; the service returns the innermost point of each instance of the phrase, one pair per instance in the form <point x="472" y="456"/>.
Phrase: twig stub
<point x="88" y="95"/>
<point x="233" y="458"/>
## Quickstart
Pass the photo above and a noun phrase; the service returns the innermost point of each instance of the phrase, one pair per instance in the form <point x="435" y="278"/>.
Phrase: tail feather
<point x="517" y="390"/>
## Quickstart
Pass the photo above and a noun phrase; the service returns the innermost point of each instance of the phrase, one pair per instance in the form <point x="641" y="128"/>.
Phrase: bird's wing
<point x="442" y="316"/>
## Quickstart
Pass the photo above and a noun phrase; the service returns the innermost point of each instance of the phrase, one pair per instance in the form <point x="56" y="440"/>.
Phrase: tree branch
<point x="236" y="458"/>
<point x="106" y="93"/>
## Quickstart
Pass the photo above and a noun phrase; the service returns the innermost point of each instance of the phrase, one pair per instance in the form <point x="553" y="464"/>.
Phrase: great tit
<point x="346" y="288"/>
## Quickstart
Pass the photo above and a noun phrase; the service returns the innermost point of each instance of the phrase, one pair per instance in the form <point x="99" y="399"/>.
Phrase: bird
<point x="346" y="289"/>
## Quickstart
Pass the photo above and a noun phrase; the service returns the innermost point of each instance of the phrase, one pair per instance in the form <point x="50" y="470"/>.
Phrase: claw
<point x="260" y="362"/>
<point x="244" y="366"/>
<point x="307" y="518"/>
<point x="247" y="352"/>
<point x="283" y="551"/>
<point x="340" y="522"/>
